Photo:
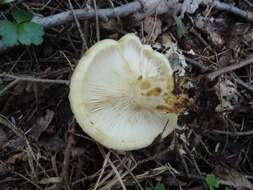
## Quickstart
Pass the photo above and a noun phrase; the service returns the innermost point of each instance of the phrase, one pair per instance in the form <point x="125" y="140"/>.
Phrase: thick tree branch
<point x="161" y="6"/>
<point x="85" y="14"/>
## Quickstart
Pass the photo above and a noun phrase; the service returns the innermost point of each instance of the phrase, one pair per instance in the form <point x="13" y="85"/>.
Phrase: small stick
<point x="67" y="154"/>
<point x="32" y="79"/>
<point x="236" y="133"/>
<point x="84" y="44"/>
<point x="232" y="9"/>
<point x="213" y="75"/>
<point x="10" y="85"/>
<point x="242" y="83"/>
<point x="97" y="21"/>
<point x="195" y="63"/>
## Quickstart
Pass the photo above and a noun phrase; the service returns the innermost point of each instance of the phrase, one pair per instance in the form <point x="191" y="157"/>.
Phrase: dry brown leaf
<point x="215" y="28"/>
<point x="228" y="94"/>
<point x="52" y="144"/>
<point x="175" y="55"/>
<point x="4" y="169"/>
<point x="233" y="178"/>
<point x="153" y="27"/>
<point x="41" y="125"/>
<point x="22" y="156"/>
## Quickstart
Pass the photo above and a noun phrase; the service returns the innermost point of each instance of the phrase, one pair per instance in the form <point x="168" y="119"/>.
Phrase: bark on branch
<point x="158" y="6"/>
<point x="83" y="14"/>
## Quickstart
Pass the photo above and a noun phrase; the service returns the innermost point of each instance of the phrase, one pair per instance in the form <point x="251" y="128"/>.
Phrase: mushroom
<point x="121" y="94"/>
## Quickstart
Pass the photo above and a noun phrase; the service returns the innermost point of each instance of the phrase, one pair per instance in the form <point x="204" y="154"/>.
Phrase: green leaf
<point x="5" y="1"/>
<point x="30" y="33"/>
<point x="227" y="188"/>
<point x="1" y="88"/>
<point x="8" y="33"/>
<point x="159" y="186"/>
<point x="212" y="181"/>
<point x="181" y="29"/>
<point x="21" y="15"/>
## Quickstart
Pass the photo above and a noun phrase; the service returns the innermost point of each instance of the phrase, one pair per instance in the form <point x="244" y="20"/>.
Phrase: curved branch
<point x="125" y="10"/>
<point x="83" y="14"/>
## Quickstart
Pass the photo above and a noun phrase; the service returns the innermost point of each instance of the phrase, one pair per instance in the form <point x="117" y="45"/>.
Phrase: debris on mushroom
<point x="121" y="94"/>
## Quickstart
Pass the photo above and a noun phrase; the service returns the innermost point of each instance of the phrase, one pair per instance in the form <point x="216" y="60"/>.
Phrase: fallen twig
<point x="83" y="14"/>
<point x="32" y="79"/>
<point x="213" y="75"/>
<point x="97" y="20"/>
<point x="84" y="45"/>
<point x="242" y="83"/>
<point x="10" y="85"/>
<point x="67" y="154"/>
<point x="236" y="133"/>
<point x="124" y="10"/>
<point x="195" y="63"/>
<point x="232" y="9"/>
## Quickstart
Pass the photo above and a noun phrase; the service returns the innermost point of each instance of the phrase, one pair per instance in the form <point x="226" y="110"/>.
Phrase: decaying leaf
<point x="174" y="55"/>
<point x="220" y="32"/>
<point x="190" y="6"/>
<point x="181" y="29"/>
<point x="21" y="156"/>
<point x="248" y="37"/>
<point x="153" y="27"/>
<point x="233" y="178"/>
<point x="228" y="94"/>
<point x="215" y="28"/>
<point x="15" y="144"/>
<point x="4" y="169"/>
<point x="52" y="144"/>
<point x="3" y="137"/>
<point x="150" y="7"/>
<point x="41" y="125"/>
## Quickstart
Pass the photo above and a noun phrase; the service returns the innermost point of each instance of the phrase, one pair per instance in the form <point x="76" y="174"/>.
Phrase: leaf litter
<point x="32" y="149"/>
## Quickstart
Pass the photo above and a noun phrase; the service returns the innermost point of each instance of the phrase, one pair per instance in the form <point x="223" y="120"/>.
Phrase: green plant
<point x="22" y="30"/>
<point x="212" y="181"/>
<point x="181" y="29"/>
<point x="158" y="186"/>
<point x="5" y="1"/>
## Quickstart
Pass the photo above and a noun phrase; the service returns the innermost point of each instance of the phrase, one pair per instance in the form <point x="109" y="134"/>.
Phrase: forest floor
<point x="41" y="145"/>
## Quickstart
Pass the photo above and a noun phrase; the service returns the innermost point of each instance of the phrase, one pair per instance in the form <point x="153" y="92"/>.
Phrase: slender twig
<point x="10" y="85"/>
<point x="242" y="83"/>
<point x="87" y="13"/>
<point x="84" y="45"/>
<point x="32" y="79"/>
<point x="236" y="133"/>
<point x="232" y="9"/>
<point x="197" y="64"/>
<point x="213" y="75"/>
<point x="66" y="160"/>
<point x="249" y="3"/>
<point x="102" y="169"/>
<point x="97" y="21"/>
<point x="120" y="178"/>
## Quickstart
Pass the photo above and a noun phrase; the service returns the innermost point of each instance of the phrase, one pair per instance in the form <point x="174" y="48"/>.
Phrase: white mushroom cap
<point x="116" y="93"/>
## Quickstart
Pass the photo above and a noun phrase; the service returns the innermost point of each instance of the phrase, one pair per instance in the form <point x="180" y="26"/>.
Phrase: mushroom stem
<point x="156" y="93"/>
